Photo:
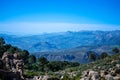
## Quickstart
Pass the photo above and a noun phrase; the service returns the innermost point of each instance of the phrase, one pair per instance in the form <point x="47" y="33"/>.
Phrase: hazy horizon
<point x="49" y="16"/>
<point x="54" y="28"/>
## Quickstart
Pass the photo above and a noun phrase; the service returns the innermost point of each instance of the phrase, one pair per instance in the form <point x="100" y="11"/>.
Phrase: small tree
<point x="31" y="59"/>
<point x="24" y="55"/>
<point x="115" y="50"/>
<point x="43" y="60"/>
<point x="42" y="63"/>
<point x="2" y="41"/>
<point x="92" y="56"/>
<point x="103" y="55"/>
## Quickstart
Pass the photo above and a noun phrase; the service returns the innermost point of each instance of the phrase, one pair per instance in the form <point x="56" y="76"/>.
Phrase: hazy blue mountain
<point x="65" y="40"/>
<point x="69" y="46"/>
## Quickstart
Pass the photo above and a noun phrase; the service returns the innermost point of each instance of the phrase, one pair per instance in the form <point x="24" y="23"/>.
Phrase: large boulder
<point x="116" y="78"/>
<point x="109" y="77"/>
<point x="103" y="73"/>
<point x="85" y="73"/>
<point x="11" y="67"/>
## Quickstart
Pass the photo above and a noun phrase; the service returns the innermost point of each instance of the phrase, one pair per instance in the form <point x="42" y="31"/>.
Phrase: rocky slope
<point x="105" y="69"/>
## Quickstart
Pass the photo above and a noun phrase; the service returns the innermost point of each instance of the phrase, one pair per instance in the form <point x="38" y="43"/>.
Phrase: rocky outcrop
<point x="11" y="67"/>
<point x="44" y="77"/>
<point x="90" y="75"/>
<point x="110" y="74"/>
<point x="106" y="69"/>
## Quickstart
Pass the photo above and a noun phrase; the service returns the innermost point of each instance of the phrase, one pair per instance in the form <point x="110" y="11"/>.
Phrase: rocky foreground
<point x="106" y="69"/>
<point x="11" y="68"/>
<point x="105" y="74"/>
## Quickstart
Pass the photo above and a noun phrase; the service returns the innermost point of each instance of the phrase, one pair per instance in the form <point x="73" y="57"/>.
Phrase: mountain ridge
<point x="67" y="46"/>
<point x="63" y="40"/>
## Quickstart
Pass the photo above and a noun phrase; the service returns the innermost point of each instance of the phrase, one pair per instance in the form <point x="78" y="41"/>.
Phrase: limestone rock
<point x="12" y="67"/>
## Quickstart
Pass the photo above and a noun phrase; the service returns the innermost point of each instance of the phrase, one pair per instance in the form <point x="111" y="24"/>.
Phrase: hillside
<point x="107" y="68"/>
<point x="104" y="69"/>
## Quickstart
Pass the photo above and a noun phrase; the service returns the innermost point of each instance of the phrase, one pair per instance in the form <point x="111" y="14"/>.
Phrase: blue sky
<point x="38" y="16"/>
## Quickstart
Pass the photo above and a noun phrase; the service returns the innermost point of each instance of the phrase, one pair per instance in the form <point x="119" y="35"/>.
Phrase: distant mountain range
<point x="66" y="45"/>
<point x="65" y="40"/>
<point x="79" y="54"/>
